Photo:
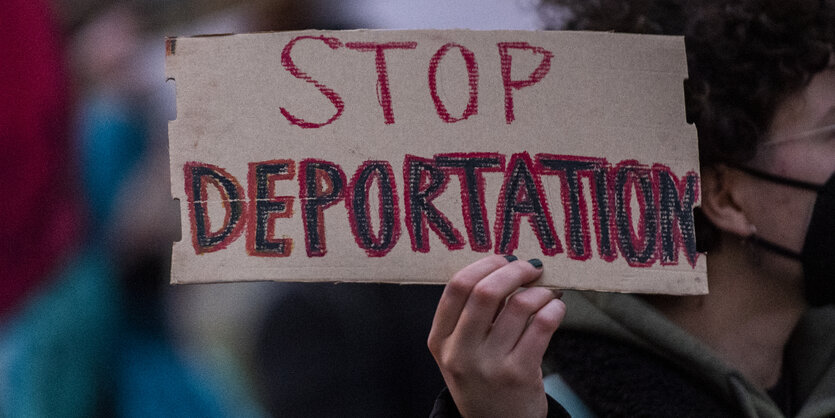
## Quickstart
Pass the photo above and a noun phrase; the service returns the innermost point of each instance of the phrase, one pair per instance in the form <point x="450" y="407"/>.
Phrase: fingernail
<point x="510" y="258"/>
<point x="536" y="262"/>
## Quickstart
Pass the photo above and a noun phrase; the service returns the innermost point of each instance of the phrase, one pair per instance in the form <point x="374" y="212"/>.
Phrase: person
<point x="761" y="91"/>
<point x="74" y="340"/>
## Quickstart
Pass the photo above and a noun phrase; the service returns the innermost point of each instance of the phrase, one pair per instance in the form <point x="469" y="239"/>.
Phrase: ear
<point x="720" y="197"/>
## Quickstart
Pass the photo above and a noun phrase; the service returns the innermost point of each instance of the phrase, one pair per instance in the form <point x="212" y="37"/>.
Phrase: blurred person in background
<point x="761" y="91"/>
<point x="70" y="344"/>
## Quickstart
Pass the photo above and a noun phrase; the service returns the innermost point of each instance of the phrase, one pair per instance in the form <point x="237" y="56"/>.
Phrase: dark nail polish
<point x="510" y="258"/>
<point x="536" y="262"/>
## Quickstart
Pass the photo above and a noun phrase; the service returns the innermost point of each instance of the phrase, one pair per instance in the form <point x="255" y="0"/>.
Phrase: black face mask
<point x="818" y="254"/>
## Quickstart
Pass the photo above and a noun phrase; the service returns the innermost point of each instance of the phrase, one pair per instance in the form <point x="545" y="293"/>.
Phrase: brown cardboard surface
<point x="342" y="156"/>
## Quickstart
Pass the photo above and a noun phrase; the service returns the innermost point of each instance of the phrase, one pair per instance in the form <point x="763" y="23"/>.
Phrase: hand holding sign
<point x="489" y="337"/>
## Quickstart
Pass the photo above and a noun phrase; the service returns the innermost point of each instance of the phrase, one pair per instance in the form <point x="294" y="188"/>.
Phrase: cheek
<point x="783" y="213"/>
<point x="807" y="161"/>
<point x="785" y="216"/>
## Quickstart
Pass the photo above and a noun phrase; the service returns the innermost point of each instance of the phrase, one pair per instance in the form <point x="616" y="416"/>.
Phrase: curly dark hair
<point x="744" y="56"/>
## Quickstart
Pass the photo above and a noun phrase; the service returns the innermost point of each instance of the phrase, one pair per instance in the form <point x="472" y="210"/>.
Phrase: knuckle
<point x="434" y="345"/>
<point x="452" y="356"/>
<point x="458" y="286"/>
<point x="483" y="293"/>
<point x="442" y="359"/>
<point x="454" y="367"/>
<point x="459" y="277"/>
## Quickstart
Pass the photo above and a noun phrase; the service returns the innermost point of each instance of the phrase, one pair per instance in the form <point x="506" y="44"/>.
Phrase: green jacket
<point x="810" y="355"/>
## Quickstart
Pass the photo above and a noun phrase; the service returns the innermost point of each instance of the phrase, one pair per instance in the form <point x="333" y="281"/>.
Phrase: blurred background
<point x="88" y="324"/>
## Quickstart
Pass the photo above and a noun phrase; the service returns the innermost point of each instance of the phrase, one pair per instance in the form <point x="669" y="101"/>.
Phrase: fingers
<point x="534" y="341"/>
<point x="456" y="293"/>
<point x="513" y="319"/>
<point x="488" y="345"/>
<point x="487" y="297"/>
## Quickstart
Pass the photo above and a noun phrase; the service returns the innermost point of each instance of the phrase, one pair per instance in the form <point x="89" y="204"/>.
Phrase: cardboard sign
<point x="403" y="156"/>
